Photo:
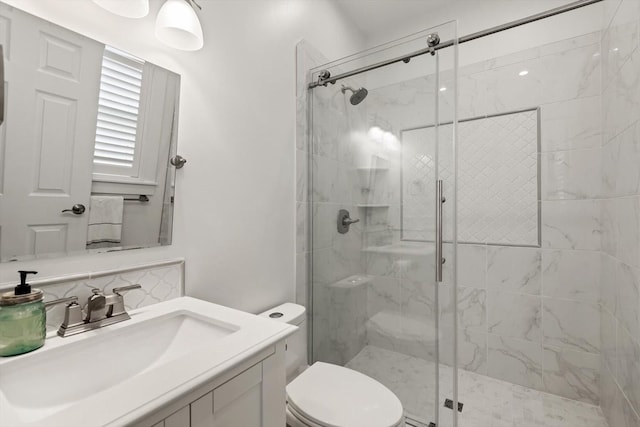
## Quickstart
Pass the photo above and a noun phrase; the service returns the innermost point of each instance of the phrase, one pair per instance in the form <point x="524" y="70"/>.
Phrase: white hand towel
<point x="105" y="219"/>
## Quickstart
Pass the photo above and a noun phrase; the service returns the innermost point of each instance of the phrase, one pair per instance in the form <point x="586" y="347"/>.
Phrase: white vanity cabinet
<point x="251" y="394"/>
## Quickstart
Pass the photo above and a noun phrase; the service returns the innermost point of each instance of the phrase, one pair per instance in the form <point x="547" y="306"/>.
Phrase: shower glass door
<point x="382" y="144"/>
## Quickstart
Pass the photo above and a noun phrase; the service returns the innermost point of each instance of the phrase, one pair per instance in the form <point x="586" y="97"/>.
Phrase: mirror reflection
<point x="85" y="146"/>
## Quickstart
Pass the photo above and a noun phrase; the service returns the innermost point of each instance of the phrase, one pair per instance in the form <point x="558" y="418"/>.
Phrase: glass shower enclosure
<point x="382" y="219"/>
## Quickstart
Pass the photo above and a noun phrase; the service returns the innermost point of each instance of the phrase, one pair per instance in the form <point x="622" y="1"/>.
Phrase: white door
<point x="52" y="79"/>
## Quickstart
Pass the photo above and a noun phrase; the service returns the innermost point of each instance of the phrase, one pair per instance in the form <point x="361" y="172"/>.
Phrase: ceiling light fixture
<point x="523" y="73"/>
<point x="178" y="26"/>
<point x="126" y="8"/>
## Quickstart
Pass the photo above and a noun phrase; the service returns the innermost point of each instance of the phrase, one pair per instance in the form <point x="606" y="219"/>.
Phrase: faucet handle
<point x="72" y="313"/>
<point x="122" y="289"/>
<point x="118" y="308"/>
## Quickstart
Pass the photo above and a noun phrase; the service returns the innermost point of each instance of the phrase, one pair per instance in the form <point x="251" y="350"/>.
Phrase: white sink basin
<point x="39" y="386"/>
<point x="180" y="342"/>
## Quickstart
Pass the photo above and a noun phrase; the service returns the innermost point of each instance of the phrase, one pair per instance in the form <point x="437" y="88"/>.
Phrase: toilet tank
<point x="296" y="344"/>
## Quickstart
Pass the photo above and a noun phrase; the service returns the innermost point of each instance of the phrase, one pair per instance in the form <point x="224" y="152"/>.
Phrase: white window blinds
<point x="118" y="110"/>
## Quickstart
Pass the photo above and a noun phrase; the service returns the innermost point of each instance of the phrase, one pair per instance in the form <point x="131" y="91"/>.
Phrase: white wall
<point x="234" y="218"/>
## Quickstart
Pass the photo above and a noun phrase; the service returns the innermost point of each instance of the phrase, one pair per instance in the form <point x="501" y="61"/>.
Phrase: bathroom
<point x="535" y="321"/>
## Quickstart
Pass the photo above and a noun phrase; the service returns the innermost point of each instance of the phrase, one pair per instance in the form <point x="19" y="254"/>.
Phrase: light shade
<point x="178" y="26"/>
<point x="126" y="8"/>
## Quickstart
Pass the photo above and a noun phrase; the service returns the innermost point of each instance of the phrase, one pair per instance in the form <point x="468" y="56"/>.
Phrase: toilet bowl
<point x="327" y="395"/>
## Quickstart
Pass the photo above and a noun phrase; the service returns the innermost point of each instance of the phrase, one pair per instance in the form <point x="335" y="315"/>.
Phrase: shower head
<point x="358" y="94"/>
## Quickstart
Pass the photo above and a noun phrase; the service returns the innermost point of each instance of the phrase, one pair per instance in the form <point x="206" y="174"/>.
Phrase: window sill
<point x="126" y="188"/>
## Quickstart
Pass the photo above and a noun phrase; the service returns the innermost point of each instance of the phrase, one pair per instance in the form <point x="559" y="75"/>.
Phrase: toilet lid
<point x="333" y="396"/>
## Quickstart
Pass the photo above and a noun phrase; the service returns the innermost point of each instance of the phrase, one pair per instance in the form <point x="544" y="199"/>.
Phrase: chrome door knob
<point x="77" y="209"/>
<point x="178" y="161"/>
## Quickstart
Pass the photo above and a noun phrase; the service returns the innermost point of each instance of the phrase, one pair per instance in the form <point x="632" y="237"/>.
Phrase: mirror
<point x="85" y="146"/>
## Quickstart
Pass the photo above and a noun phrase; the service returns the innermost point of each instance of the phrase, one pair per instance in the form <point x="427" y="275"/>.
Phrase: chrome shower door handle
<point x="439" y="209"/>
<point x="2" y="106"/>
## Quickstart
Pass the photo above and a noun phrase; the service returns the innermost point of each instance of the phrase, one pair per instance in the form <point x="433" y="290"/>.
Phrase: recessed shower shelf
<point x="406" y="248"/>
<point x="366" y="206"/>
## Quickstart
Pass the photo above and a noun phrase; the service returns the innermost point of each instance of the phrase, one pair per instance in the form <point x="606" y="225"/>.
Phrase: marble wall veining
<point x="620" y="279"/>
<point x="527" y="315"/>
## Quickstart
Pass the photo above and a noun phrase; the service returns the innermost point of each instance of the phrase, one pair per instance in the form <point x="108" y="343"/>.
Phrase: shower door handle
<point x="439" y="203"/>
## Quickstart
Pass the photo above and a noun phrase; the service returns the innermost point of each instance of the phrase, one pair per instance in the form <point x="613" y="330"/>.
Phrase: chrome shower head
<point x="358" y="94"/>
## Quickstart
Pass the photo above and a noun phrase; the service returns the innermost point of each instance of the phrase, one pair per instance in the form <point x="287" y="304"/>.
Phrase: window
<point x="117" y="146"/>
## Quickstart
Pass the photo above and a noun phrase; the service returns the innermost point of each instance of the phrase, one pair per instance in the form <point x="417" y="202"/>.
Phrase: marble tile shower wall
<point x="338" y="325"/>
<point x="526" y="315"/>
<point x="620" y="283"/>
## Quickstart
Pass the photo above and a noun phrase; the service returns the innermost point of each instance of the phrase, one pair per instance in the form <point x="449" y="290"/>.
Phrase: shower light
<point x="523" y="73"/>
<point x="178" y="26"/>
<point x="126" y="8"/>
<point x="375" y="134"/>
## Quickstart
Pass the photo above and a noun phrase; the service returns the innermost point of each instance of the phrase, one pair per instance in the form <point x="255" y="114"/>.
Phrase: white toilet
<point x="327" y="395"/>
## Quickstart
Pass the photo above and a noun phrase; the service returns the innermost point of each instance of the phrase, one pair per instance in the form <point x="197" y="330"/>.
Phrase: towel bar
<point x="141" y="198"/>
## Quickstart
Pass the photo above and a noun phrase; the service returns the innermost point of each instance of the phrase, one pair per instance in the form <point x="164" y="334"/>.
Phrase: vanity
<point x="179" y="363"/>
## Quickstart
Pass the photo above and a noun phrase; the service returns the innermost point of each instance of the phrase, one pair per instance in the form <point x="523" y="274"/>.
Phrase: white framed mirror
<point x="85" y="147"/>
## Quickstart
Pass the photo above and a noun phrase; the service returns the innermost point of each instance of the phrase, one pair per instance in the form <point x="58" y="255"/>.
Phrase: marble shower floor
<point x="488" y="402"/>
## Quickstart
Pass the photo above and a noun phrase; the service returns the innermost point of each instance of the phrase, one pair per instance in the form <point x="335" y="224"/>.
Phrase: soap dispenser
<point x="22" y="318"/>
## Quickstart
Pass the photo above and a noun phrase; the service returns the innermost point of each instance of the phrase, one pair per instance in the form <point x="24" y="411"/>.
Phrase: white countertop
<point x="150" y="390"/>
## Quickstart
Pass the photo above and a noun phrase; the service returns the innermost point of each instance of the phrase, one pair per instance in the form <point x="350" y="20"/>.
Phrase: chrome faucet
<point x="102" y="310"/>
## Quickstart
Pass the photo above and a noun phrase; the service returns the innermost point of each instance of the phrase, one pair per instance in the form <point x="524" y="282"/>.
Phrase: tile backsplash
<point x="160" y="282"/>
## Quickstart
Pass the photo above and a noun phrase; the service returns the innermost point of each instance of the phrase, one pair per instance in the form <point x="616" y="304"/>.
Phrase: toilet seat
<point x="327" y="395"/>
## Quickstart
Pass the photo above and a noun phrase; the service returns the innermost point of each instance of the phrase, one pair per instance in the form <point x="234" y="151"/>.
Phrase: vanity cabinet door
<point x="202" y="411"/>
<point x="236" y="403"/>
<point x="245" y="411"/>
<point x="253" y="398"/>
<point x="180" y="418"/>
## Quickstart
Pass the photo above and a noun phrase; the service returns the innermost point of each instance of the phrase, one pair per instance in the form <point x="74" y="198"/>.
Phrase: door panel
<point x="52" y="85"/>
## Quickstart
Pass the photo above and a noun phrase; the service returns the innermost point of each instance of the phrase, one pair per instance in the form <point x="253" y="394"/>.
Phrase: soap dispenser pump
<point x="22" y="318"/>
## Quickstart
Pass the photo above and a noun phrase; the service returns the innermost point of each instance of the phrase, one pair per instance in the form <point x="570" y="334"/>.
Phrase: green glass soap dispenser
<point x="22" y="318"/>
